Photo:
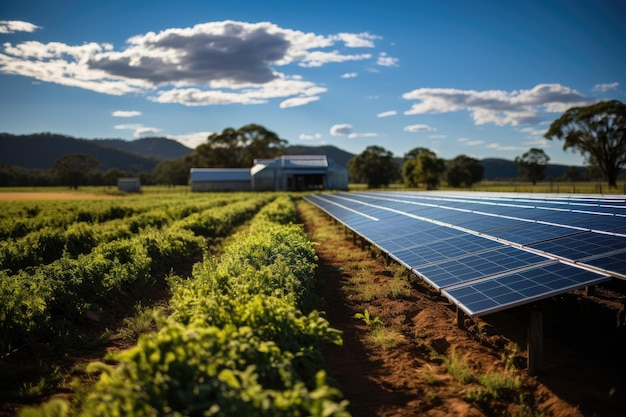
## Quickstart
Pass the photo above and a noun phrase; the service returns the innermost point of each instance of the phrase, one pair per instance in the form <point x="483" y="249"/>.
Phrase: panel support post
<point x="460" y="318"/>
<point x="535" y="342"/>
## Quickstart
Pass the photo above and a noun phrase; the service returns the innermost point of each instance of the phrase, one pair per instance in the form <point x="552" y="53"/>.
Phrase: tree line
<point x="597" y="132"/>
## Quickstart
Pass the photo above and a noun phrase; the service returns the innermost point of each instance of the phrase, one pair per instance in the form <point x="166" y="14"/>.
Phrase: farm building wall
<point x="220" y="179"/>
<point x="336" y="178"/>
<point x="220" y="186"/>
<point x="283" y="173"/>
<point x="131" y="185"/>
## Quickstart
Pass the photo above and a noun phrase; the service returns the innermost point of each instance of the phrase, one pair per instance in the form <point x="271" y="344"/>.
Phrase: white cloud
<point x="357" y="40"/>
<point x="341" y="130"/>
<point x="498" y="147"/>
<point x="531" y="131"/>
<point x="304" y="136"/>
<point x="387" y="113"/>
<point x="12" y="26"/>
<point x="363" y="135"/>
<point x="139" y="130"/>
<point x="496" y="106"/>
<point x="297" y="101"/>
<point x="346" y="130"/>
<point x="280" y="88"/>
<point x="211" y="63"/>
<point x="349" y="75"/>
<point x="126" y="113"/>
<point x="603" y="88"/>
<point x="419" y="128"/>
<point x="319" y="58"/>
<point x="474" y="142"/>
<point x="386" y="61"/>
<point x="191" y="140"/>
<point x="63" y="64"/>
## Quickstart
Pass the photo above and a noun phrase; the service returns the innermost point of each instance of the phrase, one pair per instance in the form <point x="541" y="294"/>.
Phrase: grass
<point x="457" y="368"/>
<point x="385" y="338"/>
<point x="495" y="389"/>
<point x="143" y="321"/>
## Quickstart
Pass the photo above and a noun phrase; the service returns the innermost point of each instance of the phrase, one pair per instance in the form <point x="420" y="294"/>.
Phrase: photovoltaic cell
<point x="479" y="265"/>
<point x="490" y="251"/>
<point x="431" y="252"/>
<point x="521" y="287"/>
<point x="582" y="245"/>
<point x="528" y="233"/>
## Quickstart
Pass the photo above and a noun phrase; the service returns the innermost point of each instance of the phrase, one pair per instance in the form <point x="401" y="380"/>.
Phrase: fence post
<point x="535" y="342"/>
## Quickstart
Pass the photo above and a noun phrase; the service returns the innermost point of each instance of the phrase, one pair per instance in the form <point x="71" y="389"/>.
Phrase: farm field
<point x="401" y="352"/>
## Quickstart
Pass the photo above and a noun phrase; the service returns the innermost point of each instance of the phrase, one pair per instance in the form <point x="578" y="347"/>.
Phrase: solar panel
<point x="432" y="251"/>
<point x="521" y="287"/>
<point x="528" y="233"/>
<point x="490" y="251"/>
<point x="478" y="265"/>
<point x="582" y="245"/>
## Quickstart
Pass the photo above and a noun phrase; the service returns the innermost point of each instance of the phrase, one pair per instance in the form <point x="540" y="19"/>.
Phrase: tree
<point x="238" y="148"/>
<point x="421" y="166"/>
<point x="72" y="169"/>
<point x="571" y="174"/>
<point x="172" y="172"/>
<point x="532" y="164"/>
<point x="464" y="171"/>
<point x="598" y="132"/>
<point x="375" y="166"/>
<point x="111" y="175"/>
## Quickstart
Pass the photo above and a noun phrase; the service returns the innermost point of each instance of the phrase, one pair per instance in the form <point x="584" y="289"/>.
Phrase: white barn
<point x="220" y="179"/>
<point x="283" y="173"/>
<point x="297" y="173"/>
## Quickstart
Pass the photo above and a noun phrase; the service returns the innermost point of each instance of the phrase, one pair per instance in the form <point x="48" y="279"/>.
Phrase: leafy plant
<point x="365" y="316"/>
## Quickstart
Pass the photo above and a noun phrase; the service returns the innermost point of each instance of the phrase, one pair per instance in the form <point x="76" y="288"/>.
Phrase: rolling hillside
<point x="41" y="150"/>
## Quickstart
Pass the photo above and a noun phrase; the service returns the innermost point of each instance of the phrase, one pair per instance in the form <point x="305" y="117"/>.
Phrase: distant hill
<point x="503" y="169"/>
<point x="161" y="148"/>
<point x="41" y="150"/>
<point x="497" y="169"/>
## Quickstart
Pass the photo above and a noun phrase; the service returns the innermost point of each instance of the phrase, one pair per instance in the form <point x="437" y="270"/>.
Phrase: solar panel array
<point x="491" y="251"/>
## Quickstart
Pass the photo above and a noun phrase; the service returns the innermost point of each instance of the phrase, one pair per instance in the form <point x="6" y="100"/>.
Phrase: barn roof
<point x="298" y="162"/>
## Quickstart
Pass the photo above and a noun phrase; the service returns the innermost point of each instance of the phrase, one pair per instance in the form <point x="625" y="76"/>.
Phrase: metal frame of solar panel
<point x="487" y="252"/>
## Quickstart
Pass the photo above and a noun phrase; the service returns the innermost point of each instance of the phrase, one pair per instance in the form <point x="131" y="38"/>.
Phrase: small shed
<point x="220" y="179"/>
<point x="129" y="185"/>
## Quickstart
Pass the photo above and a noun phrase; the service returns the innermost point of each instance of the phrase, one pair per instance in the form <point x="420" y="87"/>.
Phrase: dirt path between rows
<point x="584" y="345"/>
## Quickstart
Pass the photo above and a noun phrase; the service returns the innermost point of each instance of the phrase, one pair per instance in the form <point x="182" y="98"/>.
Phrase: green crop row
<point x="50" y="243"/>
<point x="221" y="221"/>
<point x="19" y="218"/>
<point x="37" y="301"/>
<point x="237" y="343"/>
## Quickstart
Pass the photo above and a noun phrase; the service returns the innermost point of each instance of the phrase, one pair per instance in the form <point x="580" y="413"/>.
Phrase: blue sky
<point x="480" y="78"/>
